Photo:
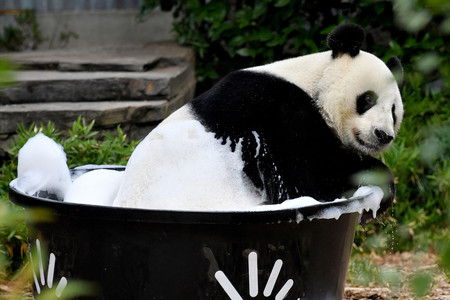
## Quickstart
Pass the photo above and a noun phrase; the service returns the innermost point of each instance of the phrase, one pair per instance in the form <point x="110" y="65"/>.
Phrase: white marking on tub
<point x="41" y="265"/>
<point x="253" y="274"/>
<point x="273" y="278"/>
<point x="231" y="291"/>
<point x="51" y="270"/>
<point x="61" y="286"/>
<point x="227" y="286"/>
<point x="284" y="290"/>
<point x="36" y="282"/>
<point x="50" y="273"/>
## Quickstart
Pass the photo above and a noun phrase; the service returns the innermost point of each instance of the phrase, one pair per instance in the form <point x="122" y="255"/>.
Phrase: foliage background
<point x="231" y="34"/>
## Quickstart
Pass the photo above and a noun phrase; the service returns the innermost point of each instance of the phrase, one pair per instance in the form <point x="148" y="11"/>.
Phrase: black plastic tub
<point x="149" y="254"/>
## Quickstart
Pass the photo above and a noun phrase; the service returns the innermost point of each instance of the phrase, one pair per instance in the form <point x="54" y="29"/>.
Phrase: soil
<point x="407" y="264"/>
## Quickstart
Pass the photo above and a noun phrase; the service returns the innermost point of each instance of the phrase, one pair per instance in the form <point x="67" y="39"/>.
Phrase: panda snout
<point x="383" y="137"/>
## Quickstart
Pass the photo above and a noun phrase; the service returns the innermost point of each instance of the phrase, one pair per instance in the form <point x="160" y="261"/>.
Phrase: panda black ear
<point x="346" y="39"/>
<point x="394" y="64"/>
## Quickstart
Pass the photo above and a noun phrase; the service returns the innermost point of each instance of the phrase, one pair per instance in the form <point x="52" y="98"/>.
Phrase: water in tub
<point x="42" y="167"/>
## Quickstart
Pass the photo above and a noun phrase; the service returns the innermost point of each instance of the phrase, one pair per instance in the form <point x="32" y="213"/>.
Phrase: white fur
<point x="335" y="83"/>
<point x="180" y="166"/>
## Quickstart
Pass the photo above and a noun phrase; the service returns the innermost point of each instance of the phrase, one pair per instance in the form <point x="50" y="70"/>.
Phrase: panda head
<point x="358" y="94"/>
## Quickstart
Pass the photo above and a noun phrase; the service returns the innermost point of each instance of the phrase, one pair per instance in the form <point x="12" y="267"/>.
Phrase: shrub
<point x="26" y="36"/>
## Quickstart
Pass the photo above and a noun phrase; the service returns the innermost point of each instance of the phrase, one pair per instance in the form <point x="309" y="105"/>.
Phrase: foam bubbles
<point x="97" y="187"/>
<point x="368" y="198"/>
<point x="42" y="167"/>
<point x="181" y="166"/>
<point x="288" y="204"/>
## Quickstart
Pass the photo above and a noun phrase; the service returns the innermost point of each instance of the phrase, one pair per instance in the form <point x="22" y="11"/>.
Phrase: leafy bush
<point x="26" y="36"/>
<point x="228" y="35"/>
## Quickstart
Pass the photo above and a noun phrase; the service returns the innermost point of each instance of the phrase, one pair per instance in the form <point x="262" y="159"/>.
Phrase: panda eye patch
<point x="365" y="101"/>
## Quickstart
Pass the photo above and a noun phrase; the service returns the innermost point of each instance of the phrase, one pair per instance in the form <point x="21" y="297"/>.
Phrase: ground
<point x="406" y="265"/>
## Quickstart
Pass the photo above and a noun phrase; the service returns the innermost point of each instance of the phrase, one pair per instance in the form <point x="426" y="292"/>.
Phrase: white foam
<point x="366" y="198"/>
<point x="258" y="143"/>
<point x="42" y="167"/>
<point x="181" y="166"/>
<point x="370" y="199"/>
<point x="97" y="187"/>
<point x="80" y="170"/>
<point x="288" y="204"/>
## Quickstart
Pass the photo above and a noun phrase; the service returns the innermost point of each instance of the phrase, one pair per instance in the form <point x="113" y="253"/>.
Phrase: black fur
<point x="346" y="39"/>
<point x="366" y="101"/>
<point x="394" y="64"/>
<point x="299" y="154"/>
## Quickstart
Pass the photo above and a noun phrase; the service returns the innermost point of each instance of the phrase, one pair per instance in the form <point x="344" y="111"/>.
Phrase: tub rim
<point x="124" y="214"/>
<point x="141" y="215"/>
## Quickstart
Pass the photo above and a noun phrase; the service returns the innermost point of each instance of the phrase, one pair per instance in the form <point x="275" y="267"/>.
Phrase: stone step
<point x="54" y="86"/>
<point x="107" y="73"/>
<point x="132" y="58"/>
<point x="137" y="118"/>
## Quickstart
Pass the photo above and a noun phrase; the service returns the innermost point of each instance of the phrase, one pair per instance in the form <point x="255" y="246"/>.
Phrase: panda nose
<point x="383" y="137"/>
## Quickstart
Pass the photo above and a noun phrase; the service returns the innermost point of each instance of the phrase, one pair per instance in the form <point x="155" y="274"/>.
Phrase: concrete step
<point x="154" y="72"/>
<point x="132" y="58"/>
<point x="54" y="86"/>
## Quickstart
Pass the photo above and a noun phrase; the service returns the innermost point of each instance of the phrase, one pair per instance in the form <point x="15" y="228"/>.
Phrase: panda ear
<point x="396" y="68"/>
<point x="346" y="39"/>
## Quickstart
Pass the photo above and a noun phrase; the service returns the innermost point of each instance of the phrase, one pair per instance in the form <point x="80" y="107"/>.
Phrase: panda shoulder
<point x="251" y="86"/>
<point x="249" y="80"/>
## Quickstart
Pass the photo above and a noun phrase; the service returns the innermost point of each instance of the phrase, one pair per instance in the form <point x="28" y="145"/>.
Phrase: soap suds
<point x="42" y="167"/>
<point x="181" y="166"/>
<point x="97" y="187"/>
<point x="370" y="199"/>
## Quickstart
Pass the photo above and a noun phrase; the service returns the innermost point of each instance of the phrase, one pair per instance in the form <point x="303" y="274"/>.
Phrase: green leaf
<point x="421" y="283"/>
<point x="379" y="8"/>
<point x="428" y="62"/>
<point x="237" y="41"/>
<point x="261" y="35"/>
<point x="246" y="52"/>
<point x="281" y="3"/>
<point x="260" y="9"/>
<point x="272" y="43"/>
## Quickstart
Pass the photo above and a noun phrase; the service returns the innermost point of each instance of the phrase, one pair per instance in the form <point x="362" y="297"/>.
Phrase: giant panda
<point x="304" y="126"/>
